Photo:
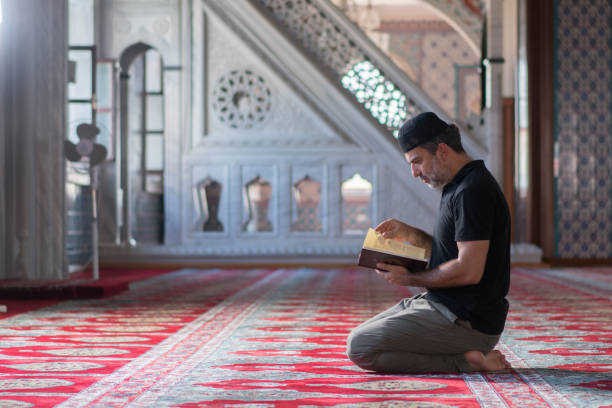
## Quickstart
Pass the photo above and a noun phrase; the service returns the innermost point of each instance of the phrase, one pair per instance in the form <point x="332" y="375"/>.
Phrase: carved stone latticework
<point x="317" y="33"/>
<point x="373" y="90"/>
<point x="335" y="48"/>
<point x="241" y="99"/>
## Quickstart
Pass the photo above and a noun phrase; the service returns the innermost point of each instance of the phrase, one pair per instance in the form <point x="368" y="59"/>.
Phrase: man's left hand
<point x="395" y="274"/>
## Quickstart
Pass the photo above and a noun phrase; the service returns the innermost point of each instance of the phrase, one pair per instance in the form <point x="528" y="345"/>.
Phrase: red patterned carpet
<point x="276" y="338"/>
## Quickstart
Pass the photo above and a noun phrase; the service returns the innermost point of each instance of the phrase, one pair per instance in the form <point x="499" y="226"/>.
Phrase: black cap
<point x="420" y="129"/>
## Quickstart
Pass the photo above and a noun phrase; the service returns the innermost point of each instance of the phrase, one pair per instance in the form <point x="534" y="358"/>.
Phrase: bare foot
<point x="493" y="361"/>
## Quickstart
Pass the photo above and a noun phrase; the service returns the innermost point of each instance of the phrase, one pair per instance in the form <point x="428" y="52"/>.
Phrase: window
<point x="356" y="208"/>
<point x="153" y="135"/>
<point x="90" y="91"/>
<point x="82" y="89"/>
<point x="307" y="196"/>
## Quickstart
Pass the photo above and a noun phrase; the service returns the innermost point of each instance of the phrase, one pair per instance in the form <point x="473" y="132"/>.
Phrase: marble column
<point x="33" y="62"/>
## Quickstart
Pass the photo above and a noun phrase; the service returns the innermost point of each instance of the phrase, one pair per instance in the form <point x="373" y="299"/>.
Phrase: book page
<point x="376" y="242"/>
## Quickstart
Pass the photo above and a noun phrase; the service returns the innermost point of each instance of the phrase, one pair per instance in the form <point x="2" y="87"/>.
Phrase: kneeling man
<point x="455" y="324"/>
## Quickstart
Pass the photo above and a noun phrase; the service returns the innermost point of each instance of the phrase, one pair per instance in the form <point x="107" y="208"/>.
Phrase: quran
<point x="378" y="249"/>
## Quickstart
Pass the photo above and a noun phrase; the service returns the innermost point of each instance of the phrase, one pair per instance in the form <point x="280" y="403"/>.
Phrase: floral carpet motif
<point x="276" y="338"/>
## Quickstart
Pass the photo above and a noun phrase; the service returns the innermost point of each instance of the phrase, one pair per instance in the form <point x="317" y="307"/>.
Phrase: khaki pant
<point x="416" y="336"/>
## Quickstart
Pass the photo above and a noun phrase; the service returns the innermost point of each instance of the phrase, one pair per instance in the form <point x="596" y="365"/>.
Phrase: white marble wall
<point x="310" y="127"/>
<point x="33" y="60"/>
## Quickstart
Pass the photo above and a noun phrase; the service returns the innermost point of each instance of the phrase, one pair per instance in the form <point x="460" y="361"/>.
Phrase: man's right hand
<point x="394" y="229"/>
<point x="397" y="230"/>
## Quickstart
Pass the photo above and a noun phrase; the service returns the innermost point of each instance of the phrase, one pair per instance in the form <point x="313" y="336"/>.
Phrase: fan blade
<point x="97" y="155"/>
<point x="70" y="151"/>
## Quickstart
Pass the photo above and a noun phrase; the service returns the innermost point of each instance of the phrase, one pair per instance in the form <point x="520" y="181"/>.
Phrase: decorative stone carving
<point x="165" y="252"/>
<point x="258" y="192"/>
<point x="161" y="26"/>
<point x="133" y="25"/>
<point x="241" y="99"/>
<point x="209" y="195"/>
<point x="307" y="193"/>
<point x="335" y="48"/>
<point x="378" y="94"/>
<point x="361" y="71"/>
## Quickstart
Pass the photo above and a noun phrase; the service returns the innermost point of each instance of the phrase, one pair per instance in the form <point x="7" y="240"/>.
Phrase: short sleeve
<point x="474" y="212"/>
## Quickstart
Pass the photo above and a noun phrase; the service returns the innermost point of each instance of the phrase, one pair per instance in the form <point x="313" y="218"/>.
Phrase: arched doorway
<point x="141" y="132"/>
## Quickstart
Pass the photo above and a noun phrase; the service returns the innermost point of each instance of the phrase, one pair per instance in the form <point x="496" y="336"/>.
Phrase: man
<point x="454" y="326"/>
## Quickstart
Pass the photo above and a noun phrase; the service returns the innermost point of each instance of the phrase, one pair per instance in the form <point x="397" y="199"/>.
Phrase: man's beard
<point x="439" y="177"/>
<point x="435" y="185"/>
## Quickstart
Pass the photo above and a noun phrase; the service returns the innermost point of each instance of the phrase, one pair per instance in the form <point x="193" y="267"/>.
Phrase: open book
<point x="378" y="249"/>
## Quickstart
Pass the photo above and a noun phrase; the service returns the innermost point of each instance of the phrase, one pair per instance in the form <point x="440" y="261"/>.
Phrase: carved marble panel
<point x="259" y="185"/>
<point x="241" y="99"/>
<point x="335" y="48"/>
<point x="309" y="199"/>
<point x="158" y="25"/>
<point x="210" y="209"/>
<point x="258" y="167"/>
<point x="275" y="115"/>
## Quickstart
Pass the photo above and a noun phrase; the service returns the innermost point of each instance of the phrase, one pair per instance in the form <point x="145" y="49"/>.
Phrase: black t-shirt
<point x="473" y="208"/>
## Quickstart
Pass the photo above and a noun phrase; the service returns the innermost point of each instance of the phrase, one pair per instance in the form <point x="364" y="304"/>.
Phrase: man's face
<point x="428" y="167"/>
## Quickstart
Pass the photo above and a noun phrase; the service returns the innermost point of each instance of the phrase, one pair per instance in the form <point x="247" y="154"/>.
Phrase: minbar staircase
<point x="355" y="63"/>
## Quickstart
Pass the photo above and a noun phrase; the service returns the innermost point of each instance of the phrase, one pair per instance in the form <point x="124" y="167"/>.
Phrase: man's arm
<point x="397" y="230"/>
<point x="467" y="269"/>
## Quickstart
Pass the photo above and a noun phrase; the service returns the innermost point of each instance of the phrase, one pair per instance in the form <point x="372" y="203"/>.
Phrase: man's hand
<point x="397" y="230"/>
<point x="465" y="270"/>
<point x="395" y="274"/>
<point x="394" y="229"/>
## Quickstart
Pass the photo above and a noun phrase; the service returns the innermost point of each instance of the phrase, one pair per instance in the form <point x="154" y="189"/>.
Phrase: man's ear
<point x="442" y="151"/>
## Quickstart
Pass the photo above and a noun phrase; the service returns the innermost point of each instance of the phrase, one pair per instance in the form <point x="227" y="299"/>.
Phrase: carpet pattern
<point x="276" y="338"/>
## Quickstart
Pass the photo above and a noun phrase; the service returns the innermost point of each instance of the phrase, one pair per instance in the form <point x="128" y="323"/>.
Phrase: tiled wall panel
<point x="442" y="63"/>
<point x="583" y="128"/>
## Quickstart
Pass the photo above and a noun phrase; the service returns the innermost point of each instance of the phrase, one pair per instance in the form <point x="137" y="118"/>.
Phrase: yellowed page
<point x="375" y="241"/>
